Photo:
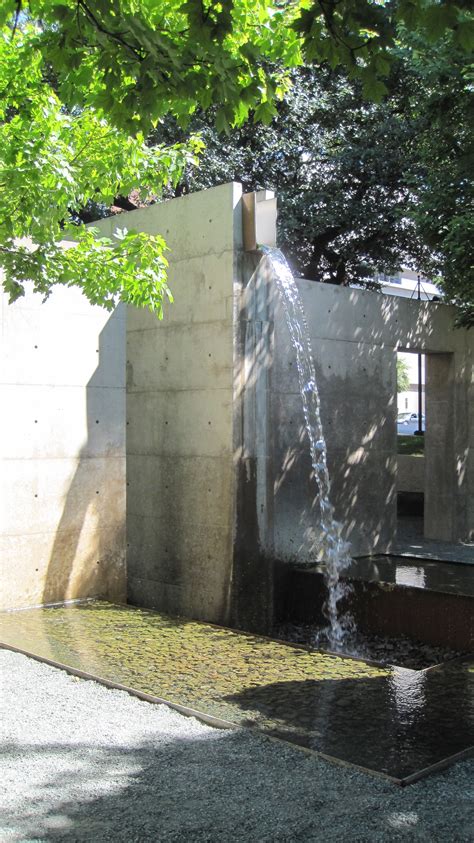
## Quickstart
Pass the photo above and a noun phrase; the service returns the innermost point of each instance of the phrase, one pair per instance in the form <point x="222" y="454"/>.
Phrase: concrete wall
<point x="355" y="336"/>
<point x="62" y="441"/>
<point x="410" y="473"/>
<point x="218" y="468"/>
<point x="180" y="500"/>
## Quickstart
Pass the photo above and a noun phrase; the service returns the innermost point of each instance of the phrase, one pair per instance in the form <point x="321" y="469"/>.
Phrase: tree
<point x="444" y="198"/>
<point x="403" y="378"/>
<point x="343" y="169"/>
<point x="53" y="159"/>
<point x="363" y="187"/>
<point x="83" y="83"/>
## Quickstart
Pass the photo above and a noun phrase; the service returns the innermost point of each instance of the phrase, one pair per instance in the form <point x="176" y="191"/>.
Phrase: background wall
<point x="62" y="447"/>
<point x="355" y="336"/>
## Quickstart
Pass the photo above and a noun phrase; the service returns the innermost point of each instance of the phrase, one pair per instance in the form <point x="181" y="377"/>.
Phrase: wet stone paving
<point x="389" y="720"/>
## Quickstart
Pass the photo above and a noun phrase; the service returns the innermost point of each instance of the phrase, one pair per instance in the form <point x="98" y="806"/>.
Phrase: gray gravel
<point x="82" y="762"/>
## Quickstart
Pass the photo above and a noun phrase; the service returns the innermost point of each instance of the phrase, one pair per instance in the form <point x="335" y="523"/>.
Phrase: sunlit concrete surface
<point x="392" y="721"/>
<point x="62" y="449"/>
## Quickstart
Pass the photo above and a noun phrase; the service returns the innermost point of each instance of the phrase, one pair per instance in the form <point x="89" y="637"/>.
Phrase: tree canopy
<point x="83" y="84"/>
<point x="344" y="169"/>
<point x="364" y="188"/>
<point x="403" y="375"/>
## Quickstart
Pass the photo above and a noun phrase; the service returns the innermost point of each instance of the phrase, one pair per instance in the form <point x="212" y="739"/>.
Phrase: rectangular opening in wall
<point x="411" y="426"/>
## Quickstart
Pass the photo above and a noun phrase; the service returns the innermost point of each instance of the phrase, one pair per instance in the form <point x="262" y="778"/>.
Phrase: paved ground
<point x="83" y="763"/>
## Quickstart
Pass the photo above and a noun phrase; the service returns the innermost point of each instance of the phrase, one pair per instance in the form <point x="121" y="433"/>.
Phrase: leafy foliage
<point x="52" y="160"/>
<point x="83" y="83"/>
<point x="444" y="211"/>
<point x="403" y="377"/>
<point x="344" y="169"/>
<point x="364" y="188"/>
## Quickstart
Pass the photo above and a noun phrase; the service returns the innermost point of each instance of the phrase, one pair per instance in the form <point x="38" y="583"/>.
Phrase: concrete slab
<point x="200" y="290"/>
<point x="61" y="494"/>
<point x="48" y="567"/>
<point x="157" y="486"/>
<point x="61" y="422"/>
<point x="198" y="224"/>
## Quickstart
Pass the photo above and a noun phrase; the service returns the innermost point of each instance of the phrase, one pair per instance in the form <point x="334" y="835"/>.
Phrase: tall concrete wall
<point x="180" y="501"/>
<point x="62" y="441"/>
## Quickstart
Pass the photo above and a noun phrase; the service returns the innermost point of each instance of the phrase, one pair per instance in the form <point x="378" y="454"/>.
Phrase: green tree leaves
<point x="403" y="375"/>
<point x="83" y="83"/>
<point x="52" y="162"/>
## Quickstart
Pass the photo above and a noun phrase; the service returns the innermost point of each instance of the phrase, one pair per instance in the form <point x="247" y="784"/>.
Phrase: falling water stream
<point x="331" y="547"/>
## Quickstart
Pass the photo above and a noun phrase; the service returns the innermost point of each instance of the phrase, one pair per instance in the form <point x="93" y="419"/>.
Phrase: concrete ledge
<point x="410" y="473"/>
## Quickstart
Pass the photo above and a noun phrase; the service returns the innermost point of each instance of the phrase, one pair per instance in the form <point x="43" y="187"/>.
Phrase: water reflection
<point x="407" y="690"/>
<point x="417" y="573"/>
<point x="408" y="575"/>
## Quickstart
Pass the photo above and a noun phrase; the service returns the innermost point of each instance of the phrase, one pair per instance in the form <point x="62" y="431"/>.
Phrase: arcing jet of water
<point x="332" y="548"/>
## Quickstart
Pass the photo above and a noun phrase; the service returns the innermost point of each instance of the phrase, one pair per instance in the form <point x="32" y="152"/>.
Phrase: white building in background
<point x="405" y="284"/>
<point x="407" y="402"/>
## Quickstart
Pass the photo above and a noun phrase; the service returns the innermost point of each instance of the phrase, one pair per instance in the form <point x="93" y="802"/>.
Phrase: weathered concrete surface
<point x="355" y="336"/>
<point x="62" y="447"/>
<point x="180" y="473"/>
<point x="410" y="473"/>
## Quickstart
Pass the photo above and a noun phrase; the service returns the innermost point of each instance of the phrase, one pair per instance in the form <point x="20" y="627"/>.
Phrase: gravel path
<point x="81" y="762"/>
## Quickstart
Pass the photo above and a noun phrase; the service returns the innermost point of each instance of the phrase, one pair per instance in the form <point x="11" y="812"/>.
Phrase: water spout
<point x="331" y="547"/>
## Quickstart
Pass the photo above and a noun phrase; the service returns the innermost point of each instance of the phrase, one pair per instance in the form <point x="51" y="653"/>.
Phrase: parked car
<point x="407" y="423"/>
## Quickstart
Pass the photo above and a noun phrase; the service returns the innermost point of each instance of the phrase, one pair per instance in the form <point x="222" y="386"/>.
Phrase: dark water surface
<point x="390" y="720"/>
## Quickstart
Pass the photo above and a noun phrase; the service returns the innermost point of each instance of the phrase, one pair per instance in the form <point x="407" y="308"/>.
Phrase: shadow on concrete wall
<point x="358" y="412"/>
<point x="355" y="336"/>
<point x="88" y="555"/>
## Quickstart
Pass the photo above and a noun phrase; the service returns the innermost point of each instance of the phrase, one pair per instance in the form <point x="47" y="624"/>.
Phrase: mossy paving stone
<point x="389" y="720"/>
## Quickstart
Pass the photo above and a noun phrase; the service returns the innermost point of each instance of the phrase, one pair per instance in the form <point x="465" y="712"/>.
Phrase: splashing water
<point x="331" y="547"/>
